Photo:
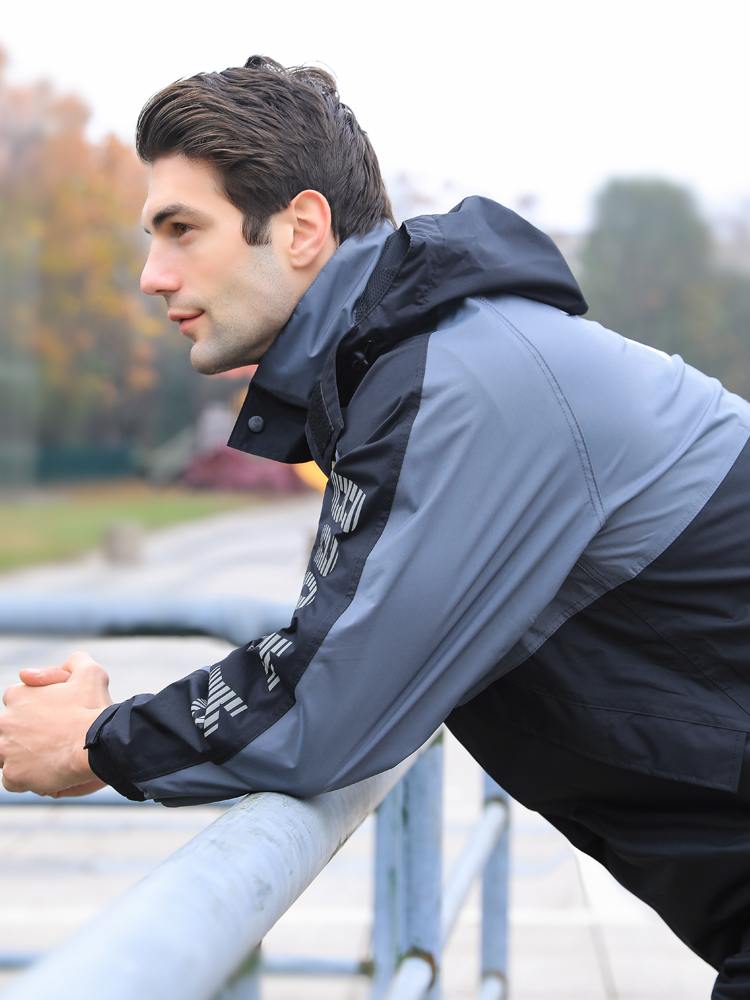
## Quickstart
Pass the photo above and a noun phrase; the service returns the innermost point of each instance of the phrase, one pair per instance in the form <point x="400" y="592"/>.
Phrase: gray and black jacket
<point x="498" y="465"/>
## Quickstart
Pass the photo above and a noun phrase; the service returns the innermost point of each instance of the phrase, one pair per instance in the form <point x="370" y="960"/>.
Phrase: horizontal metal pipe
<point x="302" y="965"/>
<point x="271" y="965"/>
<point x="412" y="981"/>
<point x="103" y="797"/>
<point x="469" y="866"/>
<point x="187" y="926"/>
<point x="238" y="619"/>
<point x="11" y="960"/>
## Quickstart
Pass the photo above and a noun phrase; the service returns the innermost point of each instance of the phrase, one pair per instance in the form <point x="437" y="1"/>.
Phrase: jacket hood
<point x="374" y="292"/>
<point x="478" y="248"/>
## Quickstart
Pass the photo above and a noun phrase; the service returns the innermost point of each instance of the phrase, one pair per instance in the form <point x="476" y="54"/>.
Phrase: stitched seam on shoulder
<point x="566" y="614"/>
<point x="664" y="543"/>
<point x="575" y="429"/>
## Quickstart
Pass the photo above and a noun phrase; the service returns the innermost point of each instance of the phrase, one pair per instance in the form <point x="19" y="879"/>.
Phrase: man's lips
<point x="184" y="319"/>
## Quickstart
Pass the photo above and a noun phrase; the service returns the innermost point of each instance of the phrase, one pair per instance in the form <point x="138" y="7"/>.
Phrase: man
<point x="534" y="529"/>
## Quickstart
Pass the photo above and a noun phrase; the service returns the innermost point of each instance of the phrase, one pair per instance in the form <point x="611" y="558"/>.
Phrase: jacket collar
<point x="376" y="291"/>
<point x="272" y="419"/>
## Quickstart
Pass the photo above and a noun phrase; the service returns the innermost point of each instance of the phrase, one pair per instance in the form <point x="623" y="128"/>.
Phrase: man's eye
<point x="181" y="228"/>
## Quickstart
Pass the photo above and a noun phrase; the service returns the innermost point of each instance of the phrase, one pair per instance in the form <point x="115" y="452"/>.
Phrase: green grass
<point x="55" y="525"/>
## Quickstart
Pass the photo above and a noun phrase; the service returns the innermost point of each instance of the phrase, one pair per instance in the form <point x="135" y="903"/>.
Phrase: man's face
<point x="229" y="298"/>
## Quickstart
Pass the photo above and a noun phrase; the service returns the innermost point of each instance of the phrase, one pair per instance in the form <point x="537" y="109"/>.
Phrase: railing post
<point x="388" y="889"/>
<point x="419" y="926"/>
<point x="184" y="929"/>
<point x="245" y="983"/>
<point x="295" y="838"/>
<point x="495" y="883"/>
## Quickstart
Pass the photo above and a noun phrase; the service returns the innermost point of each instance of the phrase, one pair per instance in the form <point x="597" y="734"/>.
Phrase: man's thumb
<point x="40" y="678"/>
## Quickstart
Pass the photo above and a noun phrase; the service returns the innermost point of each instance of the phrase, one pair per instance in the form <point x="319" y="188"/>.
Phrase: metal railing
<point x="237" y="619"/>
<point x="192" y="928"/>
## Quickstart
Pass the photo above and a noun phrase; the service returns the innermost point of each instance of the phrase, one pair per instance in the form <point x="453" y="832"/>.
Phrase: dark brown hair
<point x="270" y="132"/>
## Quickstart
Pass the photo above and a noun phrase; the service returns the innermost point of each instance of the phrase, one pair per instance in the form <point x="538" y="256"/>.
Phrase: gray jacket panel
<point x="549" y="459"/>
<point x="661" y="436"/>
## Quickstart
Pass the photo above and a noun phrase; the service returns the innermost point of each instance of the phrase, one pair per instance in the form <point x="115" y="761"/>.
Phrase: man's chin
<point x="212" y="362"/>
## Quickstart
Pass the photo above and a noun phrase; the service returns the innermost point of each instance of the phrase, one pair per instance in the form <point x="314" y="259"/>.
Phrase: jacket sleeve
<point x="455" y="510"/>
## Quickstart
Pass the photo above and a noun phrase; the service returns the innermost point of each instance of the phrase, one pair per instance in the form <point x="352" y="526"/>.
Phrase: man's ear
<point x="309" y="216"/>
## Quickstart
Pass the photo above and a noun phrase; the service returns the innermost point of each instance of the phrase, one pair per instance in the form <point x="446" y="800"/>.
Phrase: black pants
<point x="627" y="731"/>
<point x="683" y="850"/>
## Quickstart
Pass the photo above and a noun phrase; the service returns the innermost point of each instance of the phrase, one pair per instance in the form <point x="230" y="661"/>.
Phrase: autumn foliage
<point x="70" y="241"/>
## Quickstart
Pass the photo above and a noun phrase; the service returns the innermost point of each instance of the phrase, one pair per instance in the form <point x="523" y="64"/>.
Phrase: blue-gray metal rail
<point x="193" y="927"/>
<point x="237" y="619"/>
<point x="185" y="929"/>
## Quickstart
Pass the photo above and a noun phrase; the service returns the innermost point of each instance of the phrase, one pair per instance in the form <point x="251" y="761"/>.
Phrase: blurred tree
<point x="79" y="203"/>
<point x="18" y="291"/>
<point x="648" y="272"/>
<point x="109" y="368"/>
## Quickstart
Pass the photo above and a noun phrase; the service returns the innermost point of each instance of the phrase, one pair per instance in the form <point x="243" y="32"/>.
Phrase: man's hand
<point x="43" y="729"/>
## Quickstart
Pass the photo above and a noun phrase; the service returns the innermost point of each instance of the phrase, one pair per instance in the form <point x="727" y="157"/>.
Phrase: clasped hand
<point x="43" y="729"/>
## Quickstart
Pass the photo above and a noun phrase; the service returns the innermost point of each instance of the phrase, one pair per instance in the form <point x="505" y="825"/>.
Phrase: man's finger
<point x="12" y="693"/>
<point x="10" y="786"/>
<point x="78" y="659"/>
<point x="83" y="668"/>
<point x="48" y="675"/>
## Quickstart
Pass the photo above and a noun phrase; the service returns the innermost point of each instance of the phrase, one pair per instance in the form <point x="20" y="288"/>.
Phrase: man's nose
<point x="157" y="277"/>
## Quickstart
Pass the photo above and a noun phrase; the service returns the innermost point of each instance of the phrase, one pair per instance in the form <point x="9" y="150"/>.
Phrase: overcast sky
<point x="507" y="99"/>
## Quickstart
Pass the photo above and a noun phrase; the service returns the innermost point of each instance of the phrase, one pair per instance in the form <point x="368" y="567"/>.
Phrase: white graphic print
<point x="198" y="711"/>
<point x="272" y="643"/>
<point x="328" y="551"/>
<point x="312" y="589"/>
<point x="346" y="505"/>
<point x="220" y="695"/>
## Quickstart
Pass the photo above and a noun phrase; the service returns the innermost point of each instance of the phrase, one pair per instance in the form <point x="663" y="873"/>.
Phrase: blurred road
<point x="576" y="935"/>
<point x="260" y="551"/>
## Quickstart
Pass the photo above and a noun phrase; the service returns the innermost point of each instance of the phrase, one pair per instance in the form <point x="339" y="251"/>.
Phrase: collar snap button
<point x="256" y="424"/>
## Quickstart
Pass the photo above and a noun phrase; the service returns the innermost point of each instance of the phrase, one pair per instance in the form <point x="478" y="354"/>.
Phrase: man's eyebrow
<point x="185" y="211"/>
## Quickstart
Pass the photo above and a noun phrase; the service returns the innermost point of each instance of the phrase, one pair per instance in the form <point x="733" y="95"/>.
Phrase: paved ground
<point x="261" y="551"/>
<point x="576" y="935"/>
